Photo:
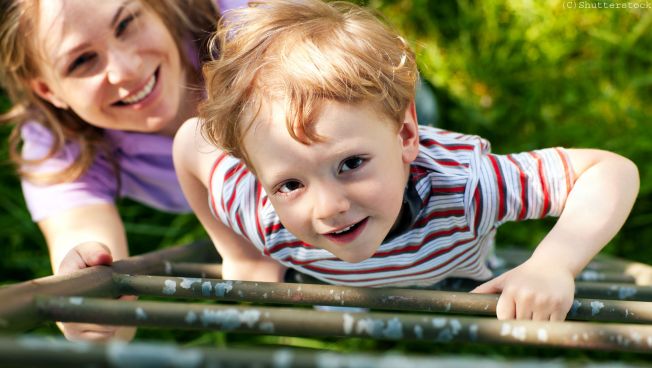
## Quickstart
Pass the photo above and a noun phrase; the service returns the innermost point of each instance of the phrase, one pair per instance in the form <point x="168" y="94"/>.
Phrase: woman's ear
<point x="43" y="91"/>
<point x="409" y="134"/>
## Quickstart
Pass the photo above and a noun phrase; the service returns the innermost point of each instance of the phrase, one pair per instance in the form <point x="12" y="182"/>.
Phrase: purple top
<point x="146" y="173"/>
<point x="146" y="169"/>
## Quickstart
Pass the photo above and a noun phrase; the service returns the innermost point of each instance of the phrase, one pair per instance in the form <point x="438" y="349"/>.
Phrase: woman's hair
<point x="190" y="22"/>
<point x="301" y="53"/>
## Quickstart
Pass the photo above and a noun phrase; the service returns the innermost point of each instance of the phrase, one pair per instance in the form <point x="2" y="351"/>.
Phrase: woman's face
<point x="113" y="62"/>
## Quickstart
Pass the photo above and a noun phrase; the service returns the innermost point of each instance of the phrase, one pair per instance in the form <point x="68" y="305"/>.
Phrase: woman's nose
<point x="123" y="65"/>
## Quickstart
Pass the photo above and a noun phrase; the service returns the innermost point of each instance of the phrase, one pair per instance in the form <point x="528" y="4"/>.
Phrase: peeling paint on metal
<point x="456" y="326"/>
<point x="519" y="332"/>
<point x="140" y="314"/>
<point x="542" y="335"/>
<point x="372" y="327"/>
<point x="40" y="344"/>
<point x="575" y="307"/>
<point x="590" y="275"/>
<point x="625" y="292"/>
<point x="473" y="332"/>
<point x="169" y="287"/>
<point x="448" y="307"/>
<point x="187" y="282"/>
<point x="267" y="327"/>
<point x="206" y="288"/>
<point x="223" y="288"/>
<point x="229" y="319"/>
<point x="505" y="329"/>
<point x="76" y="300"/>
<point x="121" y="354"/>
<point x="283" y="358"/>
<point x="418" y="332"/>
<point x="348" y="323"/>
<point x="168" y="267"/>
<point x="596" y="306"/>
<point x="439" y="322"/>
<point x="394" y="329"/>
<point x="191" y="317"/>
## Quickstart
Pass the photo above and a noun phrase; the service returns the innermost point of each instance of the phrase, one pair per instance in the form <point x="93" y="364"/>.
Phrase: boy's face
<point x="343" y="194"/>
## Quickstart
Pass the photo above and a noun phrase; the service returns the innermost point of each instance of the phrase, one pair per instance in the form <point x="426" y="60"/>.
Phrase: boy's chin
<point x="357" y="257"/>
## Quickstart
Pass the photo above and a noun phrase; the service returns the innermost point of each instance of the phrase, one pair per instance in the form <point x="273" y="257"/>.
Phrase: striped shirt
<point x="466" y="193"/>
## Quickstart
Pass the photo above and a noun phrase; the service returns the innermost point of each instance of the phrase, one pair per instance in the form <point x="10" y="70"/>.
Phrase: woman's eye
<point x="351" y="163"/>
<point x="80" y="61"/>
<point x="124" y="24"/>
<point x="289" y="186"/>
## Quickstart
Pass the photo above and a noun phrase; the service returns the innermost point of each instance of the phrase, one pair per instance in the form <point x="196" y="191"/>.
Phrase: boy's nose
<point x="330" y="201"/>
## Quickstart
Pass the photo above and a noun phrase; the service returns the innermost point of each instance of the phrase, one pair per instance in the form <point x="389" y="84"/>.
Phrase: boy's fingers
<point x="490" y="287"/>
<point x="557" y="316"/>
<point x="505" y="308"/>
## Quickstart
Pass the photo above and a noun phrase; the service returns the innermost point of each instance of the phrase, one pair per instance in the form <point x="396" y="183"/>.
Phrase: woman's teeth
<point x="140" y="95"/>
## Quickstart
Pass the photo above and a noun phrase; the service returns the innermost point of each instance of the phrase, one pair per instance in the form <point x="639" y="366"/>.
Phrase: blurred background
<point x="523" y="74"/>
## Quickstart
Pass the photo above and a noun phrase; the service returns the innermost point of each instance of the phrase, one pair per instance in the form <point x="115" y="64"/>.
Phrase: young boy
<point x="321" y="166"/>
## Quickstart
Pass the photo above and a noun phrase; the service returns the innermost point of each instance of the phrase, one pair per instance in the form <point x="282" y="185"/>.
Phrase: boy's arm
<point x="193" y="160"/>
<point x="542" y="288"/>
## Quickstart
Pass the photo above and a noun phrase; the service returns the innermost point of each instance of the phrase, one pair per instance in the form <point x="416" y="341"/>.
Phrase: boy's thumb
<point x="493" y="286"/>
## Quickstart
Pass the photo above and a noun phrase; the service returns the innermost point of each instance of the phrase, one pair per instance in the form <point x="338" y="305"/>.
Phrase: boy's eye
<point x="80" y="61"/>
<point x="289" y="186"/>
<point x="351" y="163"/>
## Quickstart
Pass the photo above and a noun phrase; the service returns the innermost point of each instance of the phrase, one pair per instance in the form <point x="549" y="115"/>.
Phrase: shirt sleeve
<point x="97" y="185"/>
<point x="236" y="199"/>
<point x="528" y="185"/>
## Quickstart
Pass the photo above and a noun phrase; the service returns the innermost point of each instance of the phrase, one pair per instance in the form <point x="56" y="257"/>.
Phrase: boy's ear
<point x="43" y="91"/>
<point x="409" y="134"/>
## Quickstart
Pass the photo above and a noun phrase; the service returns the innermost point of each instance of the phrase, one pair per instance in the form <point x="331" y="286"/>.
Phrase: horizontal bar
<point x="29" y="351"/>
<point x="17" y="310"/>
<point x="599" y="290"/>
<point x="374" y="298"/>
<point x="187" y="269"/>
<point x="381" y="326"/>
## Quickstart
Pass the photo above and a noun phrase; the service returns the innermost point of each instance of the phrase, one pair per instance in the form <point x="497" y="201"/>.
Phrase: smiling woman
<point x="97" y="92"/>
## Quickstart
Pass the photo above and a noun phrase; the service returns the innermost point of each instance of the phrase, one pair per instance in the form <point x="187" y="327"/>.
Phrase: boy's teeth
<point x="142" y="93"/>
<point x="343" y="230"/>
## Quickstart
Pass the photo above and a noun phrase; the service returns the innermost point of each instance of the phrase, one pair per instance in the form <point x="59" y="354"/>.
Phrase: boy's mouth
<point x="349" y="233"/>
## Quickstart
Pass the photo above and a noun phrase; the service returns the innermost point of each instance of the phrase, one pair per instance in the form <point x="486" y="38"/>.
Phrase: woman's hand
<point x="87" y="255"/>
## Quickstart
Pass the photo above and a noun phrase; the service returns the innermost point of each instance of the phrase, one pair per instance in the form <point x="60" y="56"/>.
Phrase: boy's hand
<point x="533" y="291"/>
<point x="86" y="255"/>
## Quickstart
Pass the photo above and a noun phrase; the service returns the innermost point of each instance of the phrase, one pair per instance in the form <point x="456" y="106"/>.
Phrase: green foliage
<point x="532" y="74"/>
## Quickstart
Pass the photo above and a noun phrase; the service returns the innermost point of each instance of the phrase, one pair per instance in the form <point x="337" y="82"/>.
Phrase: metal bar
<point x="382" y="326"/>
<point x="375" y="298"/>
<point x="213" y="270"/>
<point x="603" y="263"/>
<point x="187" y="269"/>
<point x="17" y="310"/>
<point x="598" y="290"/>
<point x="33" y="351"/>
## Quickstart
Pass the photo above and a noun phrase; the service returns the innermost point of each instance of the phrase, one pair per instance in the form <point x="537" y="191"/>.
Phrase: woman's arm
<point x="82" y="237"/>
<point x="193" y="161"/>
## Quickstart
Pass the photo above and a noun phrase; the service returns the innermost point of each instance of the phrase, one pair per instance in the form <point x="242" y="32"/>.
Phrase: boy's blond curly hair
<point x="301" y="53"/>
